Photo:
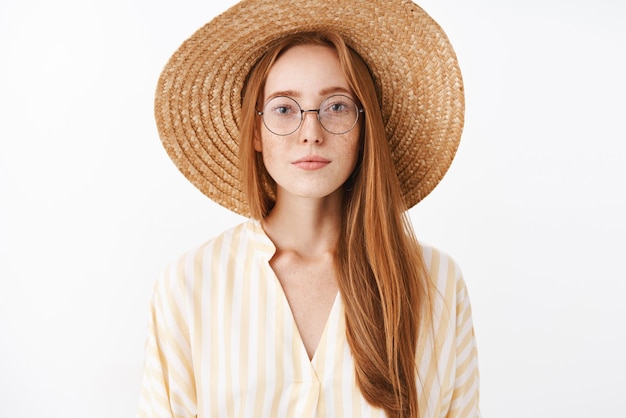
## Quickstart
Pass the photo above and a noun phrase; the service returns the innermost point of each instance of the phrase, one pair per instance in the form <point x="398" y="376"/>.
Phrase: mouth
<point x="311" y="162"/>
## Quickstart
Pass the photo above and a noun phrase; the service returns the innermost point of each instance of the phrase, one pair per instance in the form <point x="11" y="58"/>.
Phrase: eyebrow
<point x="324" y="92"/>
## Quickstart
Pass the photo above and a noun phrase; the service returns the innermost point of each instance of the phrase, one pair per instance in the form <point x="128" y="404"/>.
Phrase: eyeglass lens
<point x="337" y="114"/>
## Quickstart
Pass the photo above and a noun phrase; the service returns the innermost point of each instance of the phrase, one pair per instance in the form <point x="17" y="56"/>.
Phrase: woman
<point x="323" y="126"/>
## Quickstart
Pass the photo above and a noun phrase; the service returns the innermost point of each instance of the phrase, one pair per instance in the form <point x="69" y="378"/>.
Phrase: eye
<point x="282" y="110"/>
<point x="282" y="107"/>
<point x="338" y="105"/>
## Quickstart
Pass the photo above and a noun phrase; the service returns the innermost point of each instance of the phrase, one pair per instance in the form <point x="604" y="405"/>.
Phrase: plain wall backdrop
<point x="92" y="209"/>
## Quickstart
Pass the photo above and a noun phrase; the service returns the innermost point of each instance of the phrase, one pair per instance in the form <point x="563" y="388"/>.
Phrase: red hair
<point x="380" y="272"/>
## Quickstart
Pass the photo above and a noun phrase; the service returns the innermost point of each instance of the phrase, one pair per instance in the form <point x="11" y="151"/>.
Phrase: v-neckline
<point x="321" y="344"/>
<point x="296" y="331"/>
<point x="269" y="249"/>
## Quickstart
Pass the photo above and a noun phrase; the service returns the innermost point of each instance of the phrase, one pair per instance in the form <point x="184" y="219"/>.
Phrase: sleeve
<point x="464" y="403"/>
<point x="168" y="388"/>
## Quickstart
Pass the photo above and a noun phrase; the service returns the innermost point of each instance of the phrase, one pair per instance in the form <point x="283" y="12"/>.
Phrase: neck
<point x="308" y="227"/>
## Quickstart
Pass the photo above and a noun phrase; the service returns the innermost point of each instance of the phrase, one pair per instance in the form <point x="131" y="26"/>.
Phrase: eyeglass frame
<point x="303" y="111"/>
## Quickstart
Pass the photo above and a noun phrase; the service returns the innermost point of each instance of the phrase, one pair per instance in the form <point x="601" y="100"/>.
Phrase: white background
<point x="92" y="209"/>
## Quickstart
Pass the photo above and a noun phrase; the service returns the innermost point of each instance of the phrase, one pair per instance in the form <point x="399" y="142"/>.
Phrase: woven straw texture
<point x="198" y="97"/>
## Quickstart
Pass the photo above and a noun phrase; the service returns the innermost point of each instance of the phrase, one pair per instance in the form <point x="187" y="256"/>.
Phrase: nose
<point x="311" y="129"/>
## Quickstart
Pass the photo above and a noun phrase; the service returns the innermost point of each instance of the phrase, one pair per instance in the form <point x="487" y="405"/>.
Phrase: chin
<point x="314" y="193"/>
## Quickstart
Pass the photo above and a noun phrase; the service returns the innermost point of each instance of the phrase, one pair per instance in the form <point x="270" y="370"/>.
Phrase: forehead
<point x="306" y="70"/>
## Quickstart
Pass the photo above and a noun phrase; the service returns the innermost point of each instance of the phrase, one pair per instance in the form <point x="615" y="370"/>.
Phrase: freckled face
<point x="309" y="162"/>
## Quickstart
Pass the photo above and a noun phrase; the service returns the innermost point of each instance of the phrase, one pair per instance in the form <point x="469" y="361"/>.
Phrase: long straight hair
<point x="380" y="272"/>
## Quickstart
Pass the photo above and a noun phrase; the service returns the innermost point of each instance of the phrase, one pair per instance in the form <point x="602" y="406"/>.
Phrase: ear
<point x="258" y="144"/>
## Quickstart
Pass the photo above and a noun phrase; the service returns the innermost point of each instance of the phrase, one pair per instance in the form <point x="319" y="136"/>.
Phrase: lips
<point x="311" y="162"/>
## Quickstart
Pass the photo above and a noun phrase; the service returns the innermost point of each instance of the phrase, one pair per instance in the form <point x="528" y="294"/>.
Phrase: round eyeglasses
<point x="337" y="114"/>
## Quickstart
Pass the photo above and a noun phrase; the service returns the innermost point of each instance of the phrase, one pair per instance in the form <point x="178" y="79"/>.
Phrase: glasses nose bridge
<point x="303" y="111"/>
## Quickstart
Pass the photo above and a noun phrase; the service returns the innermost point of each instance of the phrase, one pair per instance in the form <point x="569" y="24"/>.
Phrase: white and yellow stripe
<point x="222" y="342"/>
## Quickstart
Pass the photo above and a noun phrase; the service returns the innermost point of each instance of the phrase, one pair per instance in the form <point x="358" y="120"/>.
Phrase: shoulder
<point x="231" y="242"/>
<point x="229" y="247"/>
<point x="445" y="275"/>
<point x="441" y="267"/>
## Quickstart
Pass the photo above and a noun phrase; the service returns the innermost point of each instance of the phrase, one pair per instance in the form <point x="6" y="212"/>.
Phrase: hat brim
<point x="198" y="98"/>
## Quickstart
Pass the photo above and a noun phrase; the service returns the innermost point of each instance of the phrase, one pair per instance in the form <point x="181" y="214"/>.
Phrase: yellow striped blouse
<point x="222" y="342"/>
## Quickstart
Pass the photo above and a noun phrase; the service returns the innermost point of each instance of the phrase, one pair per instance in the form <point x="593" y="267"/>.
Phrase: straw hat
<point x="198" y="97"/>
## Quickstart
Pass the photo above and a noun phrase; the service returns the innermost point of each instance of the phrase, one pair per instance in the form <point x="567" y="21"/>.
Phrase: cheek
<point x="354" y="148"/>
<point x="268" y="151"/>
